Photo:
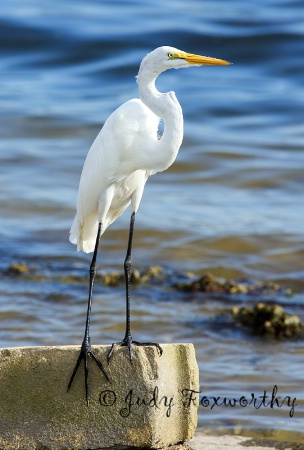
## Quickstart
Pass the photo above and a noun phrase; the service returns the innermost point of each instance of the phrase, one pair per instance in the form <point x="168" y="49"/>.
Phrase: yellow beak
<point x="203" y="60"/>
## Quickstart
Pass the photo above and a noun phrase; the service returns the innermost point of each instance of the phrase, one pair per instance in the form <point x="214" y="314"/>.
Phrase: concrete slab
<point x="206" y="442"/>
<point x="202" y="441"/>
<point x="144" y="406"/>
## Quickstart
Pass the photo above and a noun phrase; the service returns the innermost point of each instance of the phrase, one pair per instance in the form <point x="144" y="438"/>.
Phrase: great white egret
<point x="125" y="153"/>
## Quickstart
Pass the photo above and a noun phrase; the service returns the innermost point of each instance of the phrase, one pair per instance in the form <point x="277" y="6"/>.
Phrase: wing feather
<point x="113" y="156"/>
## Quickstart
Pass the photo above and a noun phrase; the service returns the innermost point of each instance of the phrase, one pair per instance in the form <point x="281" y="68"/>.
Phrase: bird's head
<point x="163" y="58"/>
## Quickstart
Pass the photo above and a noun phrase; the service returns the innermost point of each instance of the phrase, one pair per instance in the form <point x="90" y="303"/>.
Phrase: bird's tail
<point x="74" y="231"/>
<point x="84" y="236"/>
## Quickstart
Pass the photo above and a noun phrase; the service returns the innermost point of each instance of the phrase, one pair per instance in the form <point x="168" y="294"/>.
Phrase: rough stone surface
<point x="144" y="406"/>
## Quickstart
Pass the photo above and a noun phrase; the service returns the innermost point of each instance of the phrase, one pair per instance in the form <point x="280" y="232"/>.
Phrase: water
<point x="231" y="203"/>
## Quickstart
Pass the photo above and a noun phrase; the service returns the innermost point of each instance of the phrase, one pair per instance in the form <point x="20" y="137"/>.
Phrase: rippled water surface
<point x="230" y="205"/>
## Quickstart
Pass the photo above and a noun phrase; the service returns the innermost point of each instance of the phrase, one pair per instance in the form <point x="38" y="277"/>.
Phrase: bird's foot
<point x="128" y="342"/>
<point x="84" y="353"/>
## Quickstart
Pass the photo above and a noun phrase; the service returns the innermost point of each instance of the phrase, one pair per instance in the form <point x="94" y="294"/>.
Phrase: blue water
<point x="231" y="204"/>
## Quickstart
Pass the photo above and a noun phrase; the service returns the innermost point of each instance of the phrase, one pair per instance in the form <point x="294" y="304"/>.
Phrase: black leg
<point x="85" y="350"/>
<point x="127" y="269"/>
<point x="127" y="340"/>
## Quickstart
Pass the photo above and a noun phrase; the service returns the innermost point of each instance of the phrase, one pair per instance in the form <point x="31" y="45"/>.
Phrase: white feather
<point x="127" y="149"/>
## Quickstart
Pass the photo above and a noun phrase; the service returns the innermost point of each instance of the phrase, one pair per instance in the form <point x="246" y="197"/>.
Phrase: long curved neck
<point x="167" y="108"/>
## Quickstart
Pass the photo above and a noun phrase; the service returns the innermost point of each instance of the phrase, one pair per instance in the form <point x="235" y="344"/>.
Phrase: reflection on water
<point x="230" y="205"/>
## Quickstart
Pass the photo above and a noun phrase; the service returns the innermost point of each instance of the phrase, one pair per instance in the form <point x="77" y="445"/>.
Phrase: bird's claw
<point x="128" y="342"/>
<point x="86" y="351"/>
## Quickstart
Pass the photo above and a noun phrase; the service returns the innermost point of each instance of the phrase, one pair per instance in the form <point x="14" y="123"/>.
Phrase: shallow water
<point x="230" y="205"/>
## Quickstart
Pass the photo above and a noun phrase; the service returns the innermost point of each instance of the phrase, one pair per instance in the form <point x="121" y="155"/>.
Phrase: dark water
<point x="231" y="204"/>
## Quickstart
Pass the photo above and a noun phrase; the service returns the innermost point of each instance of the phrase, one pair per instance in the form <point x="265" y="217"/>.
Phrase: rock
<point x="206" y="283"/>
<point x="269" y="319"/>
<point x="144" y="406"/>
<point x="16" y="269"/>
<point x="209" y="284"/>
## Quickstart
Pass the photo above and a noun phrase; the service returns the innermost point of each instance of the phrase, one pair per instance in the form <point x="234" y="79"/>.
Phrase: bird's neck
<point x="167" y="108"/>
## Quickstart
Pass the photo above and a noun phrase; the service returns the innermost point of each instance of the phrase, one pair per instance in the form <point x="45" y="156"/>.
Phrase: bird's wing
<point x="114" y="155"/>
<point x="134" y="120"/>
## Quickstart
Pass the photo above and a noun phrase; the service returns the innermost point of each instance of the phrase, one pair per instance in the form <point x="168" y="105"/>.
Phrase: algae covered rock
<point x="16" y="269"/>
<point x="208" y="283"/>
<point x="268" y="319"/>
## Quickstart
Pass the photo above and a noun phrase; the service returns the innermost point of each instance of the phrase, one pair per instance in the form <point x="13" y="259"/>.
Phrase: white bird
<point x="125" y="153"/>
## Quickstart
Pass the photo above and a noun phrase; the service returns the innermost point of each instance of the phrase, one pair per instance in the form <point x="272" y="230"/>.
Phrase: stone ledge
<point x="144" y="405"/>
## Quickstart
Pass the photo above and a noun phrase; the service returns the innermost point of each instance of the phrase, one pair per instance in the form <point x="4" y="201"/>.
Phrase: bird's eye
<point x="170" y="55"/>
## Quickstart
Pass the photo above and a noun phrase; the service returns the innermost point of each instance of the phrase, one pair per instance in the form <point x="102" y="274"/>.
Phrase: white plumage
<point x="127" y="149"/>
<point x="113" y="173"/>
